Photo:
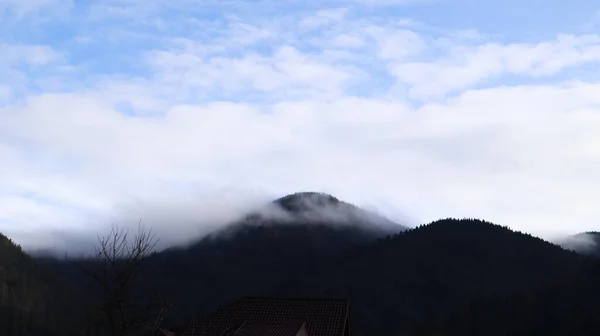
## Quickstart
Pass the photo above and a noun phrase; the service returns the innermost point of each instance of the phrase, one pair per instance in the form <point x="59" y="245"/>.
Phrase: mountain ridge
<point x="312" y="208"/>
<point x="435" y="261"/>
<point x="398" y="283"/>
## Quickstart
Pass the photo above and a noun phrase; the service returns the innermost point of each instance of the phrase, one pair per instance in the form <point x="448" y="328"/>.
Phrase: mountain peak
<point x="314" y="209"/>
<point x="303" y="201"/>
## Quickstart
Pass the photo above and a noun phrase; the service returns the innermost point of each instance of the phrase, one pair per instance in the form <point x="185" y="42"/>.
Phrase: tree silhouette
<point x="113" y="269"/>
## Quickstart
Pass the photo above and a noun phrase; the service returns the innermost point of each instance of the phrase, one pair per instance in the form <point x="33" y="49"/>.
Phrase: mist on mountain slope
<point x="180" y="222"/>
<point x="584" y="243"/>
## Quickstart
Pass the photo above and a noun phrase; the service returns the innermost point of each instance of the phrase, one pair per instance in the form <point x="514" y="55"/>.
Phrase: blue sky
<point x="187" y="112"/>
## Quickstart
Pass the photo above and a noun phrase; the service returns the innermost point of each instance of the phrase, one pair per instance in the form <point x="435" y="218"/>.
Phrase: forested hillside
<point x="449" y="277"/>
<point x="33" y="300"/>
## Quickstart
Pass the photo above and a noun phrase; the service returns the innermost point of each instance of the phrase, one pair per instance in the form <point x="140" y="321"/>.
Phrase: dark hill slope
<point x="28" y="294"/>
<point x="405" y="279"/>
<point x="312" y="245"/>
<point x="564" y="308"/>
<point x="297" y="234"/>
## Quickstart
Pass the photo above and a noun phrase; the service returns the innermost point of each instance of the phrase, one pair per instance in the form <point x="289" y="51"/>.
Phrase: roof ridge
<point x="271" y="298"/>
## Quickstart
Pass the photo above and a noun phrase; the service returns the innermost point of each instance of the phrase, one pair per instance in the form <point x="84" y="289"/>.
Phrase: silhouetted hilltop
<point x="320" y="209"/>
<point x="297" y="234"/>
<point x="305" y="223"/>
<point x="306" y="201"/>
<point x="435" y="267"/>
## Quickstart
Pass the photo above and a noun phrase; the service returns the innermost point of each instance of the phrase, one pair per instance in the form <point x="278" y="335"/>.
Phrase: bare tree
<point x="113" y="268"/>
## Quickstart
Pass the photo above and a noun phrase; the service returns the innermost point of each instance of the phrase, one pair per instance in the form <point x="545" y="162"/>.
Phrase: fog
<point x="181" y="221"/>
<point x="173" y="220"/>
<point x="583" y="242"/>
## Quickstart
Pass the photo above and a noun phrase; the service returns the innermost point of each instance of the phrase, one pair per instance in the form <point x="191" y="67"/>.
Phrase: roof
<point x="270" y="328"/>
<point x="165" y="332"/>
<point x="255" y="315"/>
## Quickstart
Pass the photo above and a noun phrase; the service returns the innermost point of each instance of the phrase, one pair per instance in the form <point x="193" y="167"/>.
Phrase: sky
<point x="185" y="113"/>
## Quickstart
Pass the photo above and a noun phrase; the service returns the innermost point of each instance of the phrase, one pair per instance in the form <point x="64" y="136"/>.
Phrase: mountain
<point x="316" y="209"/>
<point x="447" y="277"/>
<point x="403" y="280"/>
<point x="296" y="234"/>
<point x="396" y="282"/>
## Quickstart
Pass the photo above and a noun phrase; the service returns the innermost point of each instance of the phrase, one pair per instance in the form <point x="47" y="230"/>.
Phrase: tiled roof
<point x="270" y="328"/>
<point x="322" y="317"/>
<point x="165" y="332"/>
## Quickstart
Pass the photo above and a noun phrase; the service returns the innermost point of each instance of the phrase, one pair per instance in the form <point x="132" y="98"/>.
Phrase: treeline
<point x="32" y="302"/>
<point x="449" y="277"/>
<point x="561" y="308"/>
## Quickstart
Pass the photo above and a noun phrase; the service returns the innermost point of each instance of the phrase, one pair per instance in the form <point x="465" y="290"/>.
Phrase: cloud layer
<point x="129" y="109"/>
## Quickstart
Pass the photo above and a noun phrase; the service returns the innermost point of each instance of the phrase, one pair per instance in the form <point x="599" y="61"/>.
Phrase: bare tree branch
<point x="116" y="261"/>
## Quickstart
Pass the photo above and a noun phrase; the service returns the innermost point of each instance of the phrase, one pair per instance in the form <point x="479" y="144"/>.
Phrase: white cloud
<point x="397" y="44"/>
<point x="278" y="108"/>
<point x="324" y="17"/>
<point x="346" y="40"/>
<point x="35" y="55"/>
<point x="5" y="93"/>
<point x="21" y="8"/>
<point x="468" y="65"/>
<point x="504" y="164"/>
<point x="286" y="69"/>
<point x="18" y="59"/>
<point x="389" y="2"/>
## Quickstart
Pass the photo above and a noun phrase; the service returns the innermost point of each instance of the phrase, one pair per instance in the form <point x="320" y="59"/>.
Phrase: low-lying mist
<point x="180" y="222"/>
<point x="585" y="242"/>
